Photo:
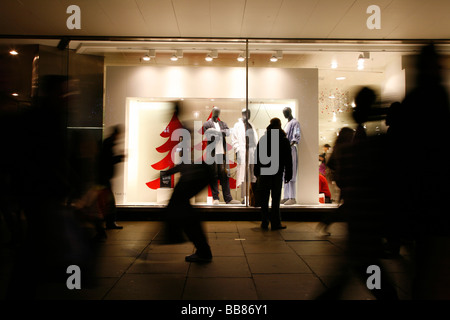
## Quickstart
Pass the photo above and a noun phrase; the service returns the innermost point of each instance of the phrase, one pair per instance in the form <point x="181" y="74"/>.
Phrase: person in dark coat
<point x="180" y="217"/>
<point x="107" y="161"/>
<point x="427" y="218"/>
<point x="273" y="157"/>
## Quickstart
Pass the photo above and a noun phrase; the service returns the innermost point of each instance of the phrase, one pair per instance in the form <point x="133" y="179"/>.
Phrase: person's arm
<point x="297" y="134"/>
<point x="234" y="135"/>
<point x="224" y="128"/>
<point x="257" y="167"/>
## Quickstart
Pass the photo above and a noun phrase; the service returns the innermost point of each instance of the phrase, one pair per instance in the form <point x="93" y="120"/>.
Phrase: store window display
<point x="244" y="139"/>
<point x="292" y="130"/>
<point x="216" y="132"/>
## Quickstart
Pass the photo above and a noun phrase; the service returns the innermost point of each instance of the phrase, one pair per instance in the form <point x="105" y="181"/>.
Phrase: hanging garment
<point x="238" y="140"/>
<point x="293" y="134"/>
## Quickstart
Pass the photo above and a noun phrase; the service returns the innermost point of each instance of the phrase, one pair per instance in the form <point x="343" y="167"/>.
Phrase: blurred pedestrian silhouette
<point x="270" y="184"/>
<point x="363" y="175"/>
<point x="54" y="239"/>
<point x="10" y="207"/>
<point x="108" y="159"/>
<point x="422" y="130"/>
<point x="181" y="219"/>
<point x="335" y="163"/>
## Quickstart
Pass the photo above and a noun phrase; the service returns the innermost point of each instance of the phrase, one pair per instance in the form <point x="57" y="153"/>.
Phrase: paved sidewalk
<point x="249" y="264"/>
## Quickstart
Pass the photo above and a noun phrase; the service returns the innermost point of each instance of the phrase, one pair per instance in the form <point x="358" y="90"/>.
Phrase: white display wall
<point x="135" y="97"/>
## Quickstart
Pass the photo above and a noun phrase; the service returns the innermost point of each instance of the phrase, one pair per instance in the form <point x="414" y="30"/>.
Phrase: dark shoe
<point x="197" y="258"/>
<point x="322" y="229"/>
<point x="279" y="227"/>
<point x="113" y="226"/>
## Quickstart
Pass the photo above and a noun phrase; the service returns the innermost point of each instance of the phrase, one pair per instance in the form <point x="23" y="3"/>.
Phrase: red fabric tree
<point x="166" y="162"/>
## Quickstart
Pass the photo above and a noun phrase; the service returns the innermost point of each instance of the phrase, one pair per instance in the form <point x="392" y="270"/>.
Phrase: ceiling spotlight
<point x="177" y="55"/>
<point x="213" y="54"/>
<point x="361" y="58"/>
<point x="151" y="54"/>
<point x="241" y="58"/>
<point x="13" y="53"/>
<point x="278" y="55"/>
<point x="334" y="65"/>
<point x="340" y="78"/>
<point x="15" y="94"/>
<point x="360" y="62"/>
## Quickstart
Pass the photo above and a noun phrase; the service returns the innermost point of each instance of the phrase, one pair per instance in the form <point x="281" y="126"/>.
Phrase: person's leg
<point x="285" y="193"/>
<point x="275" y="216"/>
<point x="291" y="194"/>
<point x="263" y="191"/>
<point x="224" y="182"/>
<point x="214" y="183"/>
<point x="109" y="208"/>
<point x="194" y="231"/>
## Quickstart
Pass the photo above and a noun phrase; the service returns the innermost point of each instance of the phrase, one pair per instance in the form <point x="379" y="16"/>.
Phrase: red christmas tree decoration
<point x="166" y="162"/>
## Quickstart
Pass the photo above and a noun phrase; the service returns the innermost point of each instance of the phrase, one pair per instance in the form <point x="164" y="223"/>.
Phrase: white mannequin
<point x="238" y="140"/>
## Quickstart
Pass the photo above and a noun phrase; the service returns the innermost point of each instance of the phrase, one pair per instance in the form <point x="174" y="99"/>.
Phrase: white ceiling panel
<point x="94" y="19"/>
<point x="159" y="17"/>
<point x="124" y="16"/>
<point x="227" y="17"/>
<point x="193" y="17"/>
<point x="353" y="23"/>
<point x="292" y="18"/>
<point x="418" y="19"/>
<point x="259" y="17"/>
<point x="325" y="19"/>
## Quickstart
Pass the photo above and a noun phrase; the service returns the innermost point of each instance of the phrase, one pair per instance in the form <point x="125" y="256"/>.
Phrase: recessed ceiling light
<point x="274" y="59"/>
<point x="209" y="58"/>
<point x="146" y="58"/>
<point x="13" y="53"/>
<point x="361" y="62"/>
<point x="334" y="65"/>
<point x="174" y="58"/>
<point x="340" y="78"/>
<point x="241" y="58"/>
<point x="15" y="94"/>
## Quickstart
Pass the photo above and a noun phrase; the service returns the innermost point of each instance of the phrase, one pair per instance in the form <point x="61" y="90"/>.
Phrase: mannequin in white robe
<point x="292" y="130"/>
<point x="244" y="130"/>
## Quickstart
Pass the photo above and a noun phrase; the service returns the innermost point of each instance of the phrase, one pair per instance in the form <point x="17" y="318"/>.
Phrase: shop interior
<point x="342" y="68"/>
